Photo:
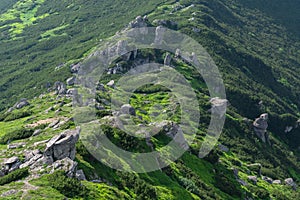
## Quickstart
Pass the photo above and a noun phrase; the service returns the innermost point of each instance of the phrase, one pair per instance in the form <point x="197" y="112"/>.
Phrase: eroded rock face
<point x="260" y="126"/>
<point x="63" y="145"/>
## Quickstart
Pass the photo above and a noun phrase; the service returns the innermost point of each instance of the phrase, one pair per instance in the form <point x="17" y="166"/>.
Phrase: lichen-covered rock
<point x="63" y="145"/>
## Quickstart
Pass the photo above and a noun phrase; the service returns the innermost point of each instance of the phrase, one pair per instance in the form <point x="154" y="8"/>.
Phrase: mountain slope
<point x="259" y="62"/>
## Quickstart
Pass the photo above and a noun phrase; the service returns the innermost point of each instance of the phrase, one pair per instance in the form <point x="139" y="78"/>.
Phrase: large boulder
<point x="128" y="109"/>
<point x="63" y="145"/>
<point x="260" y="126"/>
<point x="290" y="182"/>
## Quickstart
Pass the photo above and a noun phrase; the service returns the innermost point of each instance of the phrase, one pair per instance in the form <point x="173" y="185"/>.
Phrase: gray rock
<point x="75" y="68"/>
<point x="9" y="193"/>
<point x="54" y="123"/>
<point x="60" y="88"/>
<point x="67" y="165"/>
<point x="260" y="126"/>
<point x="111" y="83"/>
<point x="167" y="60"/>
<point x="16" y="145"/>
<point x="22" y="103"/>
<point x="80" y="175"/>
<point x="71" y="80"/>
<point x="253" y="179"/>
<point x="11" y="160"/>
<point x="267" y="179"/>
<point x="218" y="106"/>
<point x="63" y="145"/>
<point x="242" y="182"/>
<point x="178" y="53"/>
<point x="33" y="161"/>
<point x="37" y="132"/>
<point x="290" y="182"/>
<point x="128" y="109"/>
<point x="139" y="22"/>
<point x="277" y="182"/>
<point x="159" y="35"/>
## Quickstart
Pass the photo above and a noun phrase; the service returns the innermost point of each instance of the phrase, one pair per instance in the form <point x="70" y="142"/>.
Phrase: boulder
<point x="260" y="126"/>
<point x="22" y="103"/>
<point x="111" y="83"/>
<point x="71" y="80"/>
<point x="267" y="179"/>
<point x="37" y="132"/>
<point x="218" y="106"/>
<point x="159" y="35"/>
<point x="128" y="109"/>
<point x="167" y="60"/>
<point x="139" y="22"/>
<point x="75" y="68"/>
<point x="252" y="179"/>
<point x="11" y="164"/>
<point x="67" y="165"/>
<point x="80" y="175"/>
<point x="16" y="145"/>
<point x="277" y="182"/>
<point x="60" y="88"/>
<point x="63" y="145"/>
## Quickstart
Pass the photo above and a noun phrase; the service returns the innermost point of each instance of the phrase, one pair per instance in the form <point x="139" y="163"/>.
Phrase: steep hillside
<point x="256" y="52"/>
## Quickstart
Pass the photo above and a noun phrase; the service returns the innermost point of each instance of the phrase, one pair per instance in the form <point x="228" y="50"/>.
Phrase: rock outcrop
<point x="139" y="22"/>
<point x="260" y="127"/>
<point x="63" y="145"/>
<point x="60" y="88"/>
<point x="218" y="106"/>
<point x="290" y="182"/>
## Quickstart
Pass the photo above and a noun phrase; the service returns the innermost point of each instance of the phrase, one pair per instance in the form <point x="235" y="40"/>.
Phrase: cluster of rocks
<point x="20" y="104"/>
<point x="139" y="22"/>
<point x="59" y="154"/>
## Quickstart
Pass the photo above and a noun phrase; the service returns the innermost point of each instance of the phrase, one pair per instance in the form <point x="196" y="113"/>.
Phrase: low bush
<point x="70" y="187"/>
<point x="16" y="135"/>
<point x="13" y="176"/>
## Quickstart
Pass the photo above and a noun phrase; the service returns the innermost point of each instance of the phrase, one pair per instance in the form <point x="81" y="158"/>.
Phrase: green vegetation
<point x="259" y="62"/>
<point x="14" y="176"/>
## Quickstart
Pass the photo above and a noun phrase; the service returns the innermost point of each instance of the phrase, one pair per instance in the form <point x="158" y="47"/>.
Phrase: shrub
<point x="16" y="135"/>
<point x="13" y="176"/>
<point x="70" y="187"/>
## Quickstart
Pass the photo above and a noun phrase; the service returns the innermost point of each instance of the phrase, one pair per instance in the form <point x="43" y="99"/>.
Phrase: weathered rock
<point x="177" y="53"/>
<point x="54" y="123"/>
<point x="75" y="68"/>
<point x="22" y="103"/>
<point x="63" y="145"/>
<point x="260" y="126"/>
<point x="11" y="164"/>
<point x="60" y="88"/>
<point x="223" y="148"/>
<point x="33" y="161"/>
<point x="167" y="60"/>
<point x="139" y="22"/>
<point x="128" y="109"/>
<point x="30" y="154"/>
<point x="267" y="179"/>
<point x="288" y="129"/>
<point x="67" y="165"/>
<point x="159" y="35"/>
<point x="80" y="175"/>
<point x="218" y="106"/>
<point x="71" y="80"/>
<point x="277" y="182"/>
<point x="290" y="182"/>
<point x="111" y="83"/>
<point x="9" y="193"/>
<point x="16" y="145"/>
<point x="253" y="179"/>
